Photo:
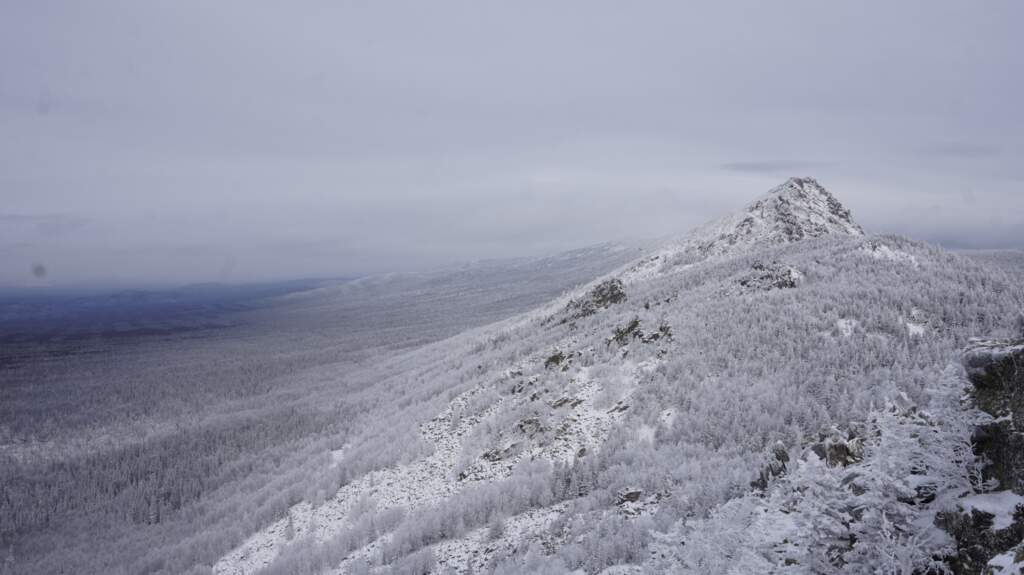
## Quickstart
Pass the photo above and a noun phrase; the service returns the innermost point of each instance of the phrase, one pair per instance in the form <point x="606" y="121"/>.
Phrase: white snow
<point x="646" y="268"/>
<point x="1005" y="563"/>
<point x="797" y="275"/>
<point x="476" y="548"/>
<point x="337" y="455"/>
<point x="847" y="326"/>
<point x="916" y="329"/>
<point x="645" y="433"/>
<point x="418" y="484"/>
<point x="880" y="251"/>
<point x="585" y="424"/>
<point x="667" y="417"/>
<point x="1000" y="503"/>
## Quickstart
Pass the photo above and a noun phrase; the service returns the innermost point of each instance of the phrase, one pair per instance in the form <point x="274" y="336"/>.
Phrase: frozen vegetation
<point x="152" y="431"/>
<point x="777" y="392"/>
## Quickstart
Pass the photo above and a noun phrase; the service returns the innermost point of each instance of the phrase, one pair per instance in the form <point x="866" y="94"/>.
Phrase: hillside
<point x="132" y="441"/>
<point x="774" y="392"/>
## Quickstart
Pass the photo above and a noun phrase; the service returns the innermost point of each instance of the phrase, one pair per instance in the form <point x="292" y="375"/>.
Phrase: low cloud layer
<point x="193" y="141"/>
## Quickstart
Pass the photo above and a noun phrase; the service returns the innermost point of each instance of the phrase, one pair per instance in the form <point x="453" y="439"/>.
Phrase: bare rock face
<point x="995" y="369"/>
<point x="602" y="296"/>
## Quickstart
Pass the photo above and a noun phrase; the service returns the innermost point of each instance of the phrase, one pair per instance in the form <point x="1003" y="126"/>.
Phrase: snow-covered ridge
<point x="597" y="432"/>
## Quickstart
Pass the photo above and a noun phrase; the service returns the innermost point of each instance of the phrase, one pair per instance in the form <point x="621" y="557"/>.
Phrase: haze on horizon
<point x="228" y="141"/>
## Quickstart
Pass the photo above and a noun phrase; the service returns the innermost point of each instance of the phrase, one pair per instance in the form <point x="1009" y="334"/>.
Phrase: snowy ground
<point x="1001" y="504"/>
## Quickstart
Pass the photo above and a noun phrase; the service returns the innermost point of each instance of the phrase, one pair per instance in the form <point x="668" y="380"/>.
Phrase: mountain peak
<point x="799" y="208"/>
<point x="808" y="190"/>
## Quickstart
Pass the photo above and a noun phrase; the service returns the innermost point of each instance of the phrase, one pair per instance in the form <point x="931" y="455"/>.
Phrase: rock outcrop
<point x="768" y="276"/>
<point x="996" y="371"/>
<point x="990" y="539"/>
<point x="601" y="296"/>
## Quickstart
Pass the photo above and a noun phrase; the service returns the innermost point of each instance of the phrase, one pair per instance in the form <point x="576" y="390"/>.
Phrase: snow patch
<point x="667" y="418"/>
<point x="1000" y="503"/>
<point x="1005" y="564"/>
<point x="880" y="251"/>
<point x="915" y="329"/>
<point x="645" y="433"/>
<point x="476" y="550"/>
<point x="646" y="269"/>
<point x="847" y="326"/>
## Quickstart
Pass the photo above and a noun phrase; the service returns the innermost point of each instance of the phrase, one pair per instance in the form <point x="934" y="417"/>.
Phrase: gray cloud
<point x="50" y="225"/>
<point x="772" y="167"/>
<point x="339" y="138"/>
<point x="960" y="150"/>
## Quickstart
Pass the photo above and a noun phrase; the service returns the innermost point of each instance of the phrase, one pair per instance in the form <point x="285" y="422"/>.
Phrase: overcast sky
<point x="181" y="141"/>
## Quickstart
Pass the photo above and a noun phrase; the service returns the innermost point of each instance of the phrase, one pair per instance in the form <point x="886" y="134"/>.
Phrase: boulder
<point x="837" y="449"/>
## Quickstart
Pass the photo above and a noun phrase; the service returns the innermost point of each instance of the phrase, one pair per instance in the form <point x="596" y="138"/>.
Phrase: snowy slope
<point x="623" y="425"/>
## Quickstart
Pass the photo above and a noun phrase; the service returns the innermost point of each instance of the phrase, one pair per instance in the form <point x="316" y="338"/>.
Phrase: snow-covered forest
<point x="778" y="392"/>
<point x="158" y="441"/>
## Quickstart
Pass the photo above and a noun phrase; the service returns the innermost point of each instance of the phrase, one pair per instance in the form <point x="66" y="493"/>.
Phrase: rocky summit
<point x="799" y="208"/>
